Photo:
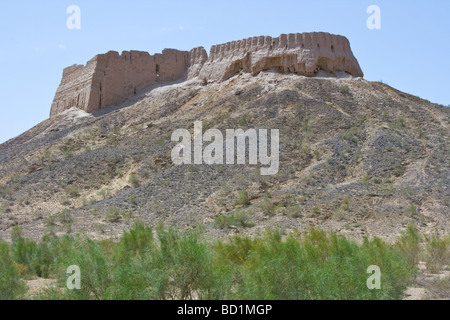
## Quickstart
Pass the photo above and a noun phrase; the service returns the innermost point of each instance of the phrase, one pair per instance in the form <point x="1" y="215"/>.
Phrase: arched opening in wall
<point x="332" y="48"/>
<point x="157" y="70"/>
<point x="318" y="46"/>
<point x="322" y="64"/>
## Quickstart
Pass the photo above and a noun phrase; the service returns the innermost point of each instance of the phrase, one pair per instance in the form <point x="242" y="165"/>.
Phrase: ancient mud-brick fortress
<point x="108" y="79"/>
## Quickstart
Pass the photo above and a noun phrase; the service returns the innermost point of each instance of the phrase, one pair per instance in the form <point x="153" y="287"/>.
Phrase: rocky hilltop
<point x="108" y="79"/>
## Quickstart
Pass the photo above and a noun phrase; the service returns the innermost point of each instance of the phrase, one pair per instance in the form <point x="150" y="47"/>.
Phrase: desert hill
<point x="357" y="157"/>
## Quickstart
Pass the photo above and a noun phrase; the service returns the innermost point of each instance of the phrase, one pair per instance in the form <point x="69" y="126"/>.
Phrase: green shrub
<point x="113" y="215"/>
<point x="242" y="199"/>
<point x="352" y="134"/>
<point x="43" y="260"/>
<point x="64" y="200"/>
<point x="134" y="180"/>
<point x="294" y="211"/>
<point x="175" y="266"/>
<point x="345" y="205"/>
<point x="317" y="155"/>
<point x="239" y="218"/>
<point x="65" y="217"/>
<point x="169" y="264"/>
<point x="16" y="233"/>
<point x="188" y="265"/>
<point x="344" y="89"/>
<point x="119" y="172"/>
<point x="11" y="287"/>
<point x="409" y="244"/>
<point x="412" y="210"/>
<point x="437" y="252"/>
<point x="104" y="193"/>
<point x="132" y="200"/>
<point x="135" y="241"/>
<point x="24" y="252"/>
<point x="313" y="266"/>
<point x="96" y="271"/>
<point x="305" y="150"/>
<point x="72" y="191"/>
<point x="398" y="123"/>
<point x="267" y="206"/>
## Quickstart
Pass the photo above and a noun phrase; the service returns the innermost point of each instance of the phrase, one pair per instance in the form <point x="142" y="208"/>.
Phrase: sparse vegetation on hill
<point x="357" y="157"/>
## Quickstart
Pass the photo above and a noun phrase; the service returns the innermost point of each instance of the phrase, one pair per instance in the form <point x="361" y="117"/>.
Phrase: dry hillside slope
<point x="357" y="157"/>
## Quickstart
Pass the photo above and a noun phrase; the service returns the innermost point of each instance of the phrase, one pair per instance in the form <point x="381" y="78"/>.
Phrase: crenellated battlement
<point x="300" y="53"/>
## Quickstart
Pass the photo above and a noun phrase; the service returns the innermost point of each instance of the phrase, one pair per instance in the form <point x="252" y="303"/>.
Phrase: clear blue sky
<point x="411" y="51"/>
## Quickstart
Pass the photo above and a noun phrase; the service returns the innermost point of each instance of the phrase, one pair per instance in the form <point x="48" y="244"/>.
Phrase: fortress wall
<point x="75" y="88"/>
<point x="197" y="58"/>
<point x="108" y="79"/>
<point x="300" y="53"/>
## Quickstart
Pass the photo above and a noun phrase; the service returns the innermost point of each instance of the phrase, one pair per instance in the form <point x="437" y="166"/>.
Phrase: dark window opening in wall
<point x="332" y="48"/>
<point x="100" y="97"/>
<point x="134" y="90"/>
<point x="157" y="70"/>
<point x="318" y="46"/>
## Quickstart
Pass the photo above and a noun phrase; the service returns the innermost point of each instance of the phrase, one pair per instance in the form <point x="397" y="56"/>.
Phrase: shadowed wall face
<point x="108" y="79"/>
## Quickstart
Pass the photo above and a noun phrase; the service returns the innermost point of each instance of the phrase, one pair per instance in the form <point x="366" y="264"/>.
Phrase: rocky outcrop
<point x="108" y="79"/>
